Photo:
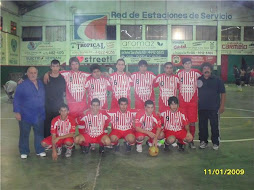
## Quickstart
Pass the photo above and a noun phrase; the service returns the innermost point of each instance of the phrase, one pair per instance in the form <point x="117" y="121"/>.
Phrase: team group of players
<point x="86" y="96"/>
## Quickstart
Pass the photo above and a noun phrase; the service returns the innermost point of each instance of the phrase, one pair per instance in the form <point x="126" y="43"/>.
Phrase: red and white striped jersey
<point x="122" y="121"/>
<point x="168" y="87"/>
<point x="75" y="85"/>
<point x="143" y="85"/>
<point x="62" y="127"/>
<point x="173" y="121"/>
<point x="147" y="122"/>
<point x="121" y="85"/>
<point x="93" y="125"/>
<point x="188" y="85"/>
<point x="97" y="88"/>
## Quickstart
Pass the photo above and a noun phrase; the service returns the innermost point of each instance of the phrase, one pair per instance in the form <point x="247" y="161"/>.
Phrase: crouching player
<point x="62" y="133"/>
<point x="147" y="123"/>
<point x="122" y="120"/>
<point x="92" y="128"/>
<point x="175" y="125"/>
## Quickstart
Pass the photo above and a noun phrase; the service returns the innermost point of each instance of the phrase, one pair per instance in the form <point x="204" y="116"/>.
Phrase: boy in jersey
<point x="143" y="85"/>
<point x="62" y="133"/>
<point x="188" y="95"/>
<point x="121" y="84"/>
<point x="91" y="128"/>
<point x="122" y="120"/>
<point x="175" y="125"/>
<point x="75" y="87"/>
<point x="168" y="84"/>
<point x="97" y="86"/>
<point x="148" y="124"/>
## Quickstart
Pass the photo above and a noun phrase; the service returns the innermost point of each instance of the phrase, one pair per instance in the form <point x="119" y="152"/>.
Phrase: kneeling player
<point x="122" y="120"/>
<point x="147" y="123"/>
<point x="62" y="133"/>
<point x="92" y="125"/>
<point x="175" y="125"/>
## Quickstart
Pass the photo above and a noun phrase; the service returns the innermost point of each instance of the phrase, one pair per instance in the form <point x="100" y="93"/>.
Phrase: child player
<point x="147" y="123"/>
<point x="175" y="125"/>
<point x="62" y="133"/>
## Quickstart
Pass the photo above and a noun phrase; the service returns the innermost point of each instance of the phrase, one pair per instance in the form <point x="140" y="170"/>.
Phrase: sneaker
<point x="59" y="151"/>
<point x="117" y="147"/>
<point x="23" y="156"/>
<point x="85" y="149"/>
<point x="215" y="147"/>
<point x="42" y="154"/>
<point x="191" y="145"/>
<point x="92" y="146"/>
<point x="68" y="152"/>
<point x="127" y="147"/>
<point x="101" y="149"/>
<point x="149" y="144"/>
<point x="139" y="147"/>
<point x="174" y="144"/>
<point x="203" y="145"/>
<point x="180" y="147"/>
<point x="110" y="146"/>
<point x="160" y="142"/>
<point x="166" y="147"/>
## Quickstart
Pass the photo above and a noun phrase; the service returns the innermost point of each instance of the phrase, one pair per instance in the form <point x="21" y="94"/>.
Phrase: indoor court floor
<point x="231" y="167"/>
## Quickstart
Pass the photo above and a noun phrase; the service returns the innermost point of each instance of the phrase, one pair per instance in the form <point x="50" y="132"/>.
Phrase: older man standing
<point x="29" y="110"/>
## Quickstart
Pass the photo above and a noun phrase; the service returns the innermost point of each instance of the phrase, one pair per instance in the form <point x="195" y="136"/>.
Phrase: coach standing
<point x="212" y="96"/>
<point x="29" y="110"/>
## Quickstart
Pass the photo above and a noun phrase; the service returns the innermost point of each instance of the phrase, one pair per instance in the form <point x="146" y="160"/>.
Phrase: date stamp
<point x="224" y="171"/>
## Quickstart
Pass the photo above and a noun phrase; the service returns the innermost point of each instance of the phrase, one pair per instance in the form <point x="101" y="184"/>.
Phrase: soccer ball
<point x="153" y="151"/>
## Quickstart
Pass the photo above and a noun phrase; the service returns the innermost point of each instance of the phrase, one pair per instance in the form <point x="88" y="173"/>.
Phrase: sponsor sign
<point x="197" y="60"/>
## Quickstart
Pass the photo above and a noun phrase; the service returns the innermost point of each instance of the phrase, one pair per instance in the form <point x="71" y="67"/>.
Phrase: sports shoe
<point x="166" y="147"/>
<point x="180" y="147"/>
<point x="23" y="156"/>
<point x="85" y="149"/>
<point x="127" y="147"/>
<point x="160" y="142"/>
<point x="215" y="147"/>
<point x="68" y="152"/>
<point x="203" y="145"/>
<point x="191" y="145"/>
<point x="174" y="144"/>
<point x="139" y="147"/>
<point x="92" y="146"/>
<point x="148" y="143"/>
<point x="117" y="147"/>
<point x="42" y="154"/>
<point x="101" y="149"/>
<point x="59" y="151"/>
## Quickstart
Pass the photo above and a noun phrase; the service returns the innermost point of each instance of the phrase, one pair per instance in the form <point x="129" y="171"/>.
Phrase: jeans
<point x="25" y="129"/>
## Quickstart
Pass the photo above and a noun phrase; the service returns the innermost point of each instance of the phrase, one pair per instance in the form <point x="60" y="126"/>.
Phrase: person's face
<point x="75" y="66"/>
<point x="123" y="106"/>
<point x="143" y="68"/>
<point x="55" y="68"/>
<point x="96" y="73"/>
<point x="120" y="66"/>
<point x="187" y="65"/>
<point x="168" y="69"/>
<point x="95" y="107"/>
<point x="206" y="71"/>
<point x="149" y="109"/>
<point x="32" y="73"/>
<point x="63" y="112"/>
<point x="173" y="106"/>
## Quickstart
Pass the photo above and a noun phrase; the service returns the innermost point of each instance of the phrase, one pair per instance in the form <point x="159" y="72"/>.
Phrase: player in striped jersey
<point x="92" y="125"/>
<point x="188" y="95"/>
<point x="97" y="86"/>
<point x="168" y="84"/>
<point x="148" y="124"/>
<point x="62" y="133"/>
<point x="121" y="84"/>
<point x="175" y="125"/>
<point x="143" y="85"/>
<point x="122" y="120"/>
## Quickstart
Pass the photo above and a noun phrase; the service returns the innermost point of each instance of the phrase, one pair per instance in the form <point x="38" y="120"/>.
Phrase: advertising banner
<point x="197" y="60"/>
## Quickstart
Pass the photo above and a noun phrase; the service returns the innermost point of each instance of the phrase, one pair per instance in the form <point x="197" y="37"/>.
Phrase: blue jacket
<point x="29" y="102"/>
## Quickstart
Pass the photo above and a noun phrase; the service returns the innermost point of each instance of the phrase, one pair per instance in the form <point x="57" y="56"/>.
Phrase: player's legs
<point x="69" y="143"/>
<point x="214" y="122"/>
<point x="139" y="140"/>
<point x="130" y="140"/>
<point x="105" y="140"/>
<point x="47" y="142"/>
<point x="203" y="128"/>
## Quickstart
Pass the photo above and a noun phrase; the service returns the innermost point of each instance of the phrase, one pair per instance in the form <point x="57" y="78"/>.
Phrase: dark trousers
<point x="213" y="117"/>
<point x="47" y="123"/>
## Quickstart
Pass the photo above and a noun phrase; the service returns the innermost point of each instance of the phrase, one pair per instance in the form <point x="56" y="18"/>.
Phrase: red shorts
<point x="121" y="134"/>
<point x="139" y="134"/>
<point x="191" y="111"/>
<point x="89" y="139"/>
<point x="179" y="135"/>
<point x="59" y="143"/>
